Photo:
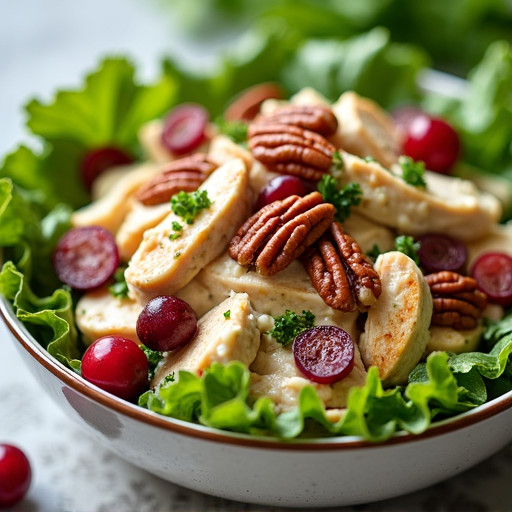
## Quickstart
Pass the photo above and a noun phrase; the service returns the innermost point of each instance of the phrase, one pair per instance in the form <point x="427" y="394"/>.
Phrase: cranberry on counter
<point x="166" y="323"/>
<point x="117" y="365"/>
<point x="15" y="475"/>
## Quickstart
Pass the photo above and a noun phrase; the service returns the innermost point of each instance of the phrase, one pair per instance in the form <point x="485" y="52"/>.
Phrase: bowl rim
<point x="137" y="413"/>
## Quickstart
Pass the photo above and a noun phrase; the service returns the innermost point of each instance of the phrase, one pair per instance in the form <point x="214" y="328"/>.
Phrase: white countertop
<point x="49" y="43"/>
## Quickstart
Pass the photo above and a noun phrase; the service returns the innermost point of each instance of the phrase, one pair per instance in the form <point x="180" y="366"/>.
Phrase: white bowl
<point x="298" y="473"/>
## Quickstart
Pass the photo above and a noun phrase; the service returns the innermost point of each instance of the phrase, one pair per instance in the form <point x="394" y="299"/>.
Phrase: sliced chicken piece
<point x="365" y="129"/>
<point x="448" y="205"/>
<point x="220" y="338"/>
<point x="368" y="233"/>
<point x="138" y="219"/>
<point x="223" y="149"/>
<point x="396" y="331"/>
<point x="99" y="313"/>
<point x="274" y="374"/>
<point x="163" y="266"/>
<point x="289" y="289"/>
<point x="110" y="209"/>
<point x="450" y="340"/>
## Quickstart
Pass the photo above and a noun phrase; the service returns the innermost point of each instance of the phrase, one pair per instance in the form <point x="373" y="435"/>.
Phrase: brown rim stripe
<point x="137" y="413"/>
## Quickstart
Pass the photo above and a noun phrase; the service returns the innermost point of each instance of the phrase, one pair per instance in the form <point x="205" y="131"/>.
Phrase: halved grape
<point x="493" y="274"/>
<point x="98" y="160"/>
<point x="185" y="128"/>
<point x="282" y="187"/>
<point x="166" y="323"/>
<point x="15" y="475"/>
<point x="117" y="365"/>
<point x="440" y="252"/>
<point x="324" y="354"/>
<point x="86" y="257"/>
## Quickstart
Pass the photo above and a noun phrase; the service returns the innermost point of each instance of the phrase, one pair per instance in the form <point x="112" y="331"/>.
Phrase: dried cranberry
<point x="493" y="274"/>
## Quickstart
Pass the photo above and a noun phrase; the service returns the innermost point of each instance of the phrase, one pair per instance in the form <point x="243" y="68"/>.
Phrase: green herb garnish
<point x="343" y="199"/>
<point x="337" y="161"/>
<point x="289" y="325"/>
<point x="413" y="172"/>
<point x="119" y="289"/>
<point x="153" y="357"/>
<point x="188" y="206"/>
<point x="374" y="252"/>
<point x="168" y="378"/>
<point x="408" y="246"/>
<point x="235" y="130"/>
<point x="227" y="314"/>
<point x="178" y="228"/>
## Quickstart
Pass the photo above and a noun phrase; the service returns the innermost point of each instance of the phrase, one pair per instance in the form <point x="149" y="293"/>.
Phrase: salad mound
<point x="286" y="272"/>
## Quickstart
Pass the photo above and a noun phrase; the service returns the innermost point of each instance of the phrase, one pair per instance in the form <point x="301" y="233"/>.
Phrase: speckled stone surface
<point x="49" y="43"/>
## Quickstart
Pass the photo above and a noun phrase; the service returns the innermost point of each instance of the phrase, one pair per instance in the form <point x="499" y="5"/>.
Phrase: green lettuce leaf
<point x="50" y="319"/>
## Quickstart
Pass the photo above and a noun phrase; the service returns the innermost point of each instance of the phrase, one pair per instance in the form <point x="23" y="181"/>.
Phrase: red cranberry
<point x="100" y="159"/>
<point x="432" y="141"/>
<point x="15" y="475"/>
<point x="493" y="274"/>
<point x="282" y="187"/>
<point x="185" y="128"/>
<point x="440" y="252"/>
<point x="324" y="354"/>
<point x="86" y="257"/>
<point x="166" y="323"/>
<point x="117" y="365"/>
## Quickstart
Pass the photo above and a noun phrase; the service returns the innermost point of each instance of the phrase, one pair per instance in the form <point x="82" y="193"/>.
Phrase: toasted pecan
<point x="280" y="232"/>
<point x="289" y="149"/>
<point x="184" y="174"/>
<point x="457" y="301"/>
<point x="315" y="118"/>
<point x="343" y="276"/>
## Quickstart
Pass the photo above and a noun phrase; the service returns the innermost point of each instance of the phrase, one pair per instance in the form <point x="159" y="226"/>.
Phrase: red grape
<point x="432" y="141"/>
<point x="98" y="160"/>
<point x="185" y="128"/>
<point x="324" y="354"/>
<point x="86" y="257"/>
<point x="117" y="365"/>
<point x="493" y="274"/>
<point x="282" y="187"/>
<point x="166" y="323"/>
<point x="440" y="252"/>
<point x="15" y="475"/>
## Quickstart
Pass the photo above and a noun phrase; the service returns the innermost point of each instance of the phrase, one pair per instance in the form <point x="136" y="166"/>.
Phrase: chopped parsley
<point x="289" y="325"/>
<point x="413" y="172"/>
<point x="119" y="289"/>
<point x="178" y="228"/>
<point x="177" y="254"/>
<point x="227" y="314"/>
<point x="343" y="199"/>
<point x="168" y="378"/>
<point x="374" y="252"/>
<point x="235" y="130"/>
<point x="188" y="206"/>
<point x="408" y="246"/>
<point x="369" y="159"/>
<point x="153" y="357"/>
<point x="337" y="161"/>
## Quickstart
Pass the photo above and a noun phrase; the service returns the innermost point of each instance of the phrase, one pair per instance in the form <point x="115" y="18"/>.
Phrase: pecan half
<point x="280" y="232"/>
<point x="315" y="118"/>
<point x="343" y="276"/>
<point x="246" y="106"/>
<point x="183" y="174"/>
<point x="457" y="302"/>
<point x="289" y="149"/>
